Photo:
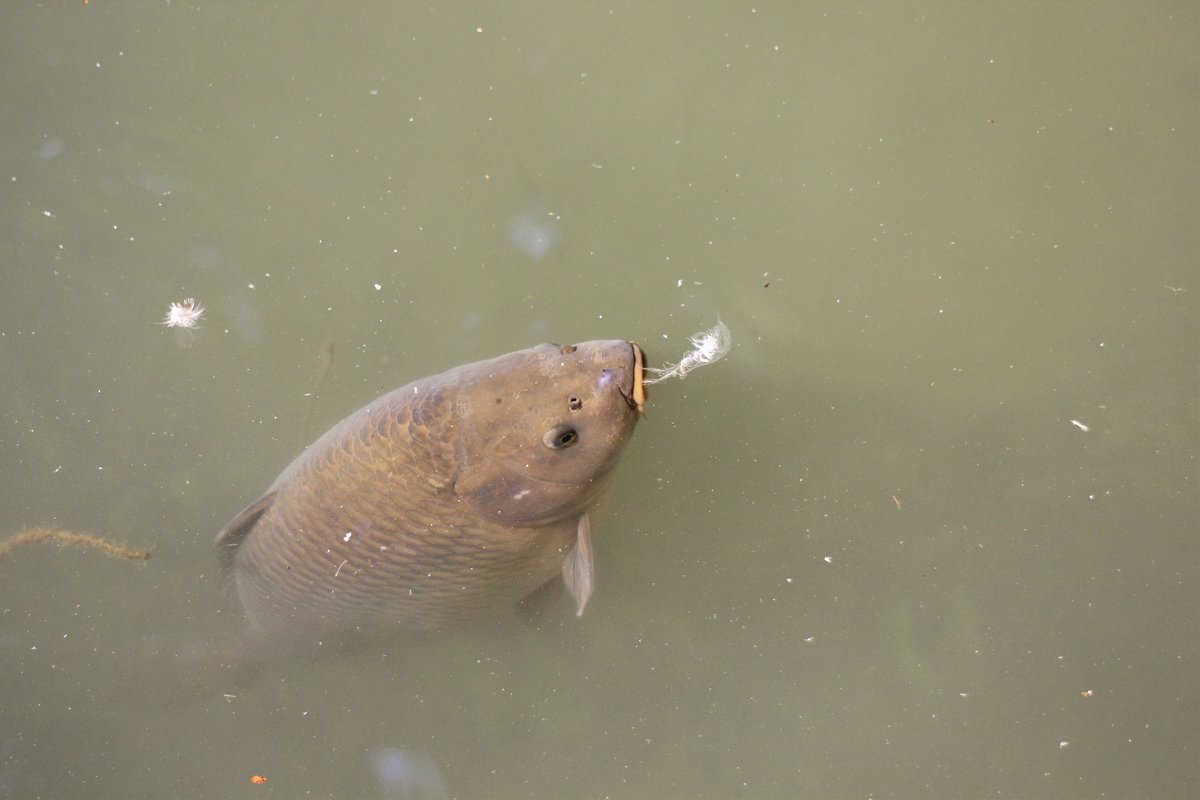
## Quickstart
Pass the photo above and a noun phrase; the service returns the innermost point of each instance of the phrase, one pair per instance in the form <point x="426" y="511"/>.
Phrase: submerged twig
<point x="34" y="535"/>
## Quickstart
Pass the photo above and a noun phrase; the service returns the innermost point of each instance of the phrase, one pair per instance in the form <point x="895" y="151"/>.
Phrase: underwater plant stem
<point x="34" y="535"/>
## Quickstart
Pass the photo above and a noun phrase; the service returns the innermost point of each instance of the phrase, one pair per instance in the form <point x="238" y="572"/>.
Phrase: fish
<point x="449" y="496"/>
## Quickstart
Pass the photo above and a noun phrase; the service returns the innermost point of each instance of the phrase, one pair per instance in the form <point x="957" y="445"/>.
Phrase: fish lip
<point x="637" y="390"/>
<point x="628" y="377"/>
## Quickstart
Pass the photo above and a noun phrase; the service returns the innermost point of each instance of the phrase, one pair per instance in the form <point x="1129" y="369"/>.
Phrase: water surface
<point x="873" y="553"/>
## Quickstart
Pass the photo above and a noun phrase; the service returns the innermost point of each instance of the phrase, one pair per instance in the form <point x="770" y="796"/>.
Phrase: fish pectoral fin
<point x="579" y="570"/>
<point x="233" y="533"/>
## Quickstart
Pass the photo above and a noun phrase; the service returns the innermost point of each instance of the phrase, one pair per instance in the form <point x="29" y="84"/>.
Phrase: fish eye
<point x="574" y="402"/>
<point x="560" y="436"/>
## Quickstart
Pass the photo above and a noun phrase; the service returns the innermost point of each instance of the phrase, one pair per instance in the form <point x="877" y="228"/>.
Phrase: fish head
<point x="541" y="430"/>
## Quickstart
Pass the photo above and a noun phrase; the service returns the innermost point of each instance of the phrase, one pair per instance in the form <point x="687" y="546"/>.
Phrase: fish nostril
<point x="567" y="349"/>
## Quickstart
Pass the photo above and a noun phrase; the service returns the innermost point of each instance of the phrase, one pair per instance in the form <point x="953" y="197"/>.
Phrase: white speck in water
<point x="828" y="559"/>
<point x="186" y="314"/>
<point x="1079" y="425"/>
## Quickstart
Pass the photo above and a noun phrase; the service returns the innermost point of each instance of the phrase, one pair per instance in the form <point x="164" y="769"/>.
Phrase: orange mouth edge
<point x="639" y="374"/>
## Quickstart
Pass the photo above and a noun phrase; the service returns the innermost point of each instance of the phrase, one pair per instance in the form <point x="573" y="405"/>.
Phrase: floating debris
<point x="184" y="315"/>
<point x="708" y="347"/>
<point x="106" y="546"/>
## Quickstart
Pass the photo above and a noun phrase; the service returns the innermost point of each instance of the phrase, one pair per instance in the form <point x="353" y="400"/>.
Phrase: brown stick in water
<point x="34" y="535"/>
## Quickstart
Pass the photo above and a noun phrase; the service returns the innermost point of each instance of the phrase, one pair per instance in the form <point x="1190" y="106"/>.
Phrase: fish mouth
<point x="637" y="397"/>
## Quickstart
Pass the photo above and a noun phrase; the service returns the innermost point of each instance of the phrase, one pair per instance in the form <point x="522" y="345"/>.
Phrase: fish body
<point x="443" y="498"/>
